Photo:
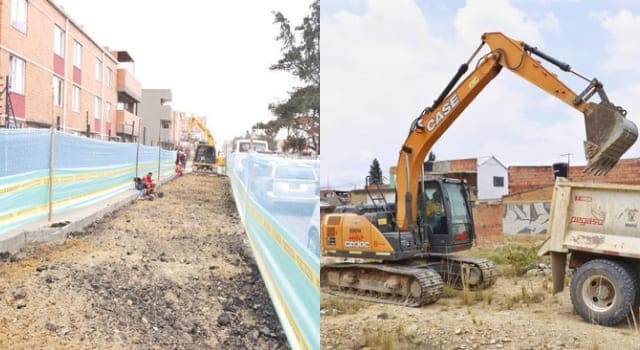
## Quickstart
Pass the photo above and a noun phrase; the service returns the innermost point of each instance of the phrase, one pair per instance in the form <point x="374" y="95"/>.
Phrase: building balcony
<point x="129" y="88"/>
<point x="127" y="123"/>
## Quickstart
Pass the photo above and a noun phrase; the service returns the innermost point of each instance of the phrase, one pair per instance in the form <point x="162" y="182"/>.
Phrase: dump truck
<point x="595" y="228"/>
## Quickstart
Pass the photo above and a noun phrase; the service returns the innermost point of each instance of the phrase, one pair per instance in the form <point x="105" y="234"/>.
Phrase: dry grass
<point x="512" y="258"/>
<point x="527" y="296"/>
<point x="342" y="306"/>
<point x="388" y="336"/>
<point x="380" y="339"/>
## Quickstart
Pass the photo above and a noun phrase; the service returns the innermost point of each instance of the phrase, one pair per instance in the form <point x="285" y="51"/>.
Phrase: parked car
<point x="288" y="183"/>
<point x="313" y="232"/>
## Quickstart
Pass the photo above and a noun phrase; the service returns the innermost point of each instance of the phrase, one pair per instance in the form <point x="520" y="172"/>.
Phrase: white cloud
<point x="214" y="56"/>
<point x="381" y="67"/>
<point x="548" y="22"/>
<point x="624" y="46"/>
<point x="478" y="17"/>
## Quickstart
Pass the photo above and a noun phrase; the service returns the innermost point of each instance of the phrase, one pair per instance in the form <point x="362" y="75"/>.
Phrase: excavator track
<point x="392" y="284"/>
<point x="460" y="271"/>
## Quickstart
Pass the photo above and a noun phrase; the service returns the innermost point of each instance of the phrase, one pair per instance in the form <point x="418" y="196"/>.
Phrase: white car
<point x="313" y="232"/>
<point x="288" y="184"/>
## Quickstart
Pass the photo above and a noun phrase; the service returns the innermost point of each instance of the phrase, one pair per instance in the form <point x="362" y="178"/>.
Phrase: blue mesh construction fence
<point x="84" y="171"/>
<point x="278" y="200"/>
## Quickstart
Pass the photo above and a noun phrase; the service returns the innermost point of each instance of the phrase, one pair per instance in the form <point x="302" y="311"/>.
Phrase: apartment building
<point x="157" y="118"/>
<point x="129" y="96"/>
<point x="57" y="74"/>
<point x="179" y="124"/>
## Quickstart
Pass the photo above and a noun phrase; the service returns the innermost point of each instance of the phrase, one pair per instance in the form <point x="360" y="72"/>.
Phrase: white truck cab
<point x="246" y="145"/>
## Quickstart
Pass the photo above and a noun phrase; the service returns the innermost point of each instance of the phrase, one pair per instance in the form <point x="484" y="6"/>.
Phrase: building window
<point x="19" y="15"/>
<point x="166" y="124"/>
<point x="98" y="108"/>
<point x="16" y="75"/>
<point x="77" y="54"/>
<point x="107" y="112"/>
<point x="75" y="102"/>
<point x="98" y="70"/>
<point x="57" y="91"/>
<point x="58" y="41"/>
<point x="109" y="77"/>
<point x="498" y="181"/>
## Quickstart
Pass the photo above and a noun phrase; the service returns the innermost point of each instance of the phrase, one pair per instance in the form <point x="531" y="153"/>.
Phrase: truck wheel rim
<point x="599" y="293"/>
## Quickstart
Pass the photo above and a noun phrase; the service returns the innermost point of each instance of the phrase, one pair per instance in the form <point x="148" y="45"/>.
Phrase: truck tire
<point x="603" y="291"/>
<point x="634" y="272"/>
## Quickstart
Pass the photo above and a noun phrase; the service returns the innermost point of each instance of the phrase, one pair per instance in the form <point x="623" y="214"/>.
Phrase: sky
<point x="213" y="55"/>
<point x="383" y="62"/>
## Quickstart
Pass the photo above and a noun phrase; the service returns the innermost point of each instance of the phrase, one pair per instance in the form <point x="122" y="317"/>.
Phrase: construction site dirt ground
<point x="518" y="312"/>
<point x="173" y="273"/>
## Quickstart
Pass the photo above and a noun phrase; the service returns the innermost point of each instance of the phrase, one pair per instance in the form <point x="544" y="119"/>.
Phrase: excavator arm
<point x="193" y="121"/>
<point x="609" y="134"/>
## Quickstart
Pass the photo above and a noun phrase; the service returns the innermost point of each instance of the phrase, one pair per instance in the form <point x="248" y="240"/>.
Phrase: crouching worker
<point x="151" y="186"/>
<point x="141" y="186"/>
<point x="179" y="170"/>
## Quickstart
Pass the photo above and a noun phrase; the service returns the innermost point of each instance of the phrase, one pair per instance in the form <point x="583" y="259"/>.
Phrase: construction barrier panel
<point x="281" y="218"/>
<point x="82" y="171"/>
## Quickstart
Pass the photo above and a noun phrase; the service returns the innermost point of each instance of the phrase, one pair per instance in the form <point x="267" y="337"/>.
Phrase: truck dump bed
<point x="594" y="217"/>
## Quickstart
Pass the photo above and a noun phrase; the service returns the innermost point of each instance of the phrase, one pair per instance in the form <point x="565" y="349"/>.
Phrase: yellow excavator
<point x="405" y="249"/>
<point x="205" y="157"/>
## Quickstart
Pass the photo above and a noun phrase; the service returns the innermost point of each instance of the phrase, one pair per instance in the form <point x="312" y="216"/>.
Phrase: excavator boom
<point x="195" y="122"/>
<point x="609" y="133"/>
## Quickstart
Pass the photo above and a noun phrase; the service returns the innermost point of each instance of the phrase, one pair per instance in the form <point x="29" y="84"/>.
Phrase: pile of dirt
<point x="175" y="272"/>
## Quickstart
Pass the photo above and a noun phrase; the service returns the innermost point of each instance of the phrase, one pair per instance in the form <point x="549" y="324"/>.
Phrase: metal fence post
<point x="51" y="172"/>
<point x="159" y="150"/>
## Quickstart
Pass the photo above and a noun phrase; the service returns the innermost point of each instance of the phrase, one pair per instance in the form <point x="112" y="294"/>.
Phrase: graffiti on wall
<point x="526" y="218"/>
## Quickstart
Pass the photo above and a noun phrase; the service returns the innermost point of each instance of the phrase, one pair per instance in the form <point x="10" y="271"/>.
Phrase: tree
<point x="299" y="115"/>
<point x="375" y="173"/>
<point x="301" y="59"/>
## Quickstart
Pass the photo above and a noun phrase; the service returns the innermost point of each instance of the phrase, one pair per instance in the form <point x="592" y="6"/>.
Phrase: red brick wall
<point x="470" y="164"/>
<point x="523" y="178"/>
<point x="488" y="221"/>
<point x="538" y="194"/>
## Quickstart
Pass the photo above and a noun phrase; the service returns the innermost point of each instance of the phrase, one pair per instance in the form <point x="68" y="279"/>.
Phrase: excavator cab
<point x="445" y="216"/>
<point x="204" y="159"/>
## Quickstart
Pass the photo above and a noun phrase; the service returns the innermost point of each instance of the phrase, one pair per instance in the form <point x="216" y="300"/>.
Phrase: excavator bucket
<point x="609" y="135"/>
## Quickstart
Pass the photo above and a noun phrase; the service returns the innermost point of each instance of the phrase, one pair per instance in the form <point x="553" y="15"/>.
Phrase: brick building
<point x="524" y="178"/>
<point x="527" y="207"/>
<point x="57" y="74"/>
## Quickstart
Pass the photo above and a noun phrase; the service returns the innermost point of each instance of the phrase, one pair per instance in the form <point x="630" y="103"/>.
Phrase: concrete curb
<point x="41" y="232"/>
<point x="19" y="238"/>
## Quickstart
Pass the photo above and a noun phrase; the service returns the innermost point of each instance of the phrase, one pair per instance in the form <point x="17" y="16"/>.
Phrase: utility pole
<point x="159" y="150"/>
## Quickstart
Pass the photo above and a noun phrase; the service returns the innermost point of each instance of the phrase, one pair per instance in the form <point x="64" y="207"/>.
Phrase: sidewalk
<point x="66" y="222"/>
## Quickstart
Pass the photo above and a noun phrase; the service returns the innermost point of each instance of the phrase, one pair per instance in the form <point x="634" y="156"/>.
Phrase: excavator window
<point x="434" y="207"/>
<point x="458" y="203"/>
